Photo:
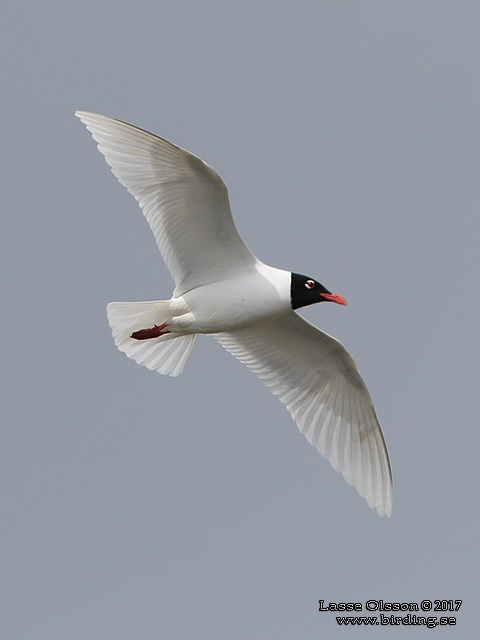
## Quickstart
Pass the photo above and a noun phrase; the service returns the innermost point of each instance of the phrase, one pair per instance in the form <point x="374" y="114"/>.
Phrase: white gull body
<point x="224" y="290"/>
<point x="235" y="303"/>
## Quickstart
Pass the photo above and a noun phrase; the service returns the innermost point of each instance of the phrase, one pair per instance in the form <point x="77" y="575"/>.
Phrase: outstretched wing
<point x="184" y="200"/>
<point x="318" y="381"/>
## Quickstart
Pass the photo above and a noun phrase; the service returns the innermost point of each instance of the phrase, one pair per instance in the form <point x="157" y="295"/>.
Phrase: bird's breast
<point x="234" y="303"/>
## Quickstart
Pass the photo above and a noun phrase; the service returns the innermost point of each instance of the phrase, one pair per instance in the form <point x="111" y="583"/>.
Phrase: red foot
<point x="146" y="334"/>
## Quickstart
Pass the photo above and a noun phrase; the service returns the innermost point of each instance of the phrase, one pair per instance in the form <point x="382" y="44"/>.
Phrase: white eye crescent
<point x="309" y="284"/>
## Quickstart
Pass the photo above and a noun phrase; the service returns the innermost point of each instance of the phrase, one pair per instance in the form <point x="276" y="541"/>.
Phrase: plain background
<point x="138" y="506"/>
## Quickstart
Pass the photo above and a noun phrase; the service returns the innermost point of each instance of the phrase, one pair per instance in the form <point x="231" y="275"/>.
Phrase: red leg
<point x="147" y="334"/>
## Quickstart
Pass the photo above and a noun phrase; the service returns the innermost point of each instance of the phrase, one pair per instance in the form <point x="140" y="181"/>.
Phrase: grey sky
<point x="138" y="506"/>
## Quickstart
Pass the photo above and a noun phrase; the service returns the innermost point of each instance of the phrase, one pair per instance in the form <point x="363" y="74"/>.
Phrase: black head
<point x="305" y="291"/>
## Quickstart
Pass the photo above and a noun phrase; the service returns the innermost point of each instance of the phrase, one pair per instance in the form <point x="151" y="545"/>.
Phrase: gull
<point x="223" y="290"/>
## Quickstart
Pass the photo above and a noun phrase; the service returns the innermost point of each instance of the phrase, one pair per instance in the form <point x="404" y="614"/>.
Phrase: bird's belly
<point x="227" y="307"/>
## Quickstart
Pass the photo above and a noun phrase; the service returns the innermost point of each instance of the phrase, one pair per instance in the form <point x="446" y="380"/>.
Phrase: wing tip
<point x="381" y="499"/>
<point x="384" y="507"/>
<point x="384" y="511"/>
<point x="86" y="114"/>
<point x="90" y="118"/>
<point x="383" y="504"/>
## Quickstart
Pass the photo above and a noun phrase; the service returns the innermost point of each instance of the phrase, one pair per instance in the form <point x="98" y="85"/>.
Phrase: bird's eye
<point x="309" y="284"/>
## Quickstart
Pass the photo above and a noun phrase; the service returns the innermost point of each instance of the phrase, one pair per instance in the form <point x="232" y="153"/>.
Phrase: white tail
<point x="166" y="354"/>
